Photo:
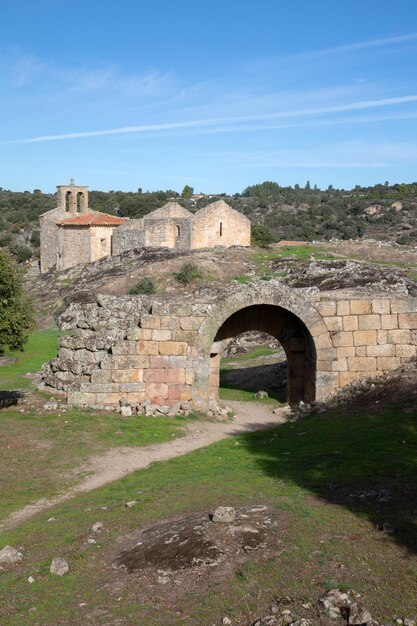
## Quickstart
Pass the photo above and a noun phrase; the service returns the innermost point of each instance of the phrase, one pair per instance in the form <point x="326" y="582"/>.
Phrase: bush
<point x="144" y="286"/>
<point x="188" y="273"/>
<point x="262" y="236"/>
<point x="35" y="238"/>
<point x="16" y="311"/>
<point x="21" y="253"/>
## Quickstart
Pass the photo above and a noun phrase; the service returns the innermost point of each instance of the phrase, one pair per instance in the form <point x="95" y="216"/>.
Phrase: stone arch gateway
<point x="165" y="350"/>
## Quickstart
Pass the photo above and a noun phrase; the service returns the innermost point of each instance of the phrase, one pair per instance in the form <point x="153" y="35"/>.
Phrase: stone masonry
<point x="167" y="351"/>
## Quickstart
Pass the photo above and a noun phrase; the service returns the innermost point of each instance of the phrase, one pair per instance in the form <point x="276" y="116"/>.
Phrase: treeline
<point x="298" y="213"/>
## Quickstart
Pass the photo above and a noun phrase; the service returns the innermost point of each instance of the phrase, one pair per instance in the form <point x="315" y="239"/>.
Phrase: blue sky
<point x="217" y="95"/>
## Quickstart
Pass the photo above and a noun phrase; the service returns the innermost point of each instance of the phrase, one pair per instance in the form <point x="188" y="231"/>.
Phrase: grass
<point x="242" y="395"/>
<point x="40" y="450"/>
<point x="299" y="252"/>
<point x="256" y="353"/>
<point x="41" y="347"/>
<point x="305" y="470"/>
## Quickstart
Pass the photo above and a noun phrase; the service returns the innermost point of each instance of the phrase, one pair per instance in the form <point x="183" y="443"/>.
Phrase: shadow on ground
<point x="271" y="378"/>
<point x="10" y="398"/>
<point x="362" y="457"/>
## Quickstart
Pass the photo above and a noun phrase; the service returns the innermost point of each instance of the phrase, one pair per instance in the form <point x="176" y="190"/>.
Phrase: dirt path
<point x="118" y="462"/>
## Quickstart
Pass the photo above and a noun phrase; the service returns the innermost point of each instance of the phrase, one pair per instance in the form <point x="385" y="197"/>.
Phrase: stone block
<point x="360" y="307"/>
<point x="326" y="308"/>
<point x="182" y="310"/>
<point x="191" y="323"/>
<point x="156" y="392"/>
<point x="389" y="322"/>
<point x="136" y="334"/>
<point x="131" y="375"/>
<point x="323" y="341"/>
<point x="350" y="322"/>
<point x="159" y="362"/>
<point x="398" y="336"/>
<point x="135" y="397"/>
<point x="361" y="351"/>
<point x="178" y="361"/>
<point x="108" y="398"/>
<point x="405" y="351"/>
<point x="103" y="387"/>
<point x="78" y="398"/>
<point x="365" y="337"/>
<point x="168" y="322"/>
<point x="382" y="336"/>
<point x="124" y="347"/>
<point x="381" y="306"/>
<point x="161" y="335"/>
<point x="175" y="376"/>
<point x="101" y="376"/>
<point x="189" y="336"/>
<point x="179" y="392"/>
<point x="324" y="366"/>
<point x="343" y="307"/>
<point x="404" y="306"/>
<point x="155" y="375"/>
<point x="172" y="348"/>
<point x="346" y="378"/>
<point x="327" y="354"/>
<point x="132" y="388"/>
<point x="150" y="321"/>
<point x="345" y="351"/>
<point x="189" y="377"/>
<point x="388" y="363"/>
<point x="137" y="361"/>
<point x="369" y="322"/>
<point x="334" y="323"/>
<point x="381" y="350"/>
<point x="407" y="320"/>
<point x="342" y="338"/>
<point x="340" y="365"/>
<point x="147" y="347"/>
<point x="364" y="364"/>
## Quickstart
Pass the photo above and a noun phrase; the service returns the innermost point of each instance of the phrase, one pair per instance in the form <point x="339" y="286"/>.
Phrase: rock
<point x="91" y="541"/>
<point x="259" y="395"/>
<point x="388" y="529"/>
<point x="31" y="579"/>
<point x="224" y="514"/>
<point x="97" y="527"/>
<point x="131" y="504"/>
<point x="59" y="566"/>
<point x="10" y="555"/>
<point x="226" y="621"/>
<point x="358" y="615"/>
<point x="409" y="622"/>
<point x="126" y="411"/>
<point x="50" y="406"/>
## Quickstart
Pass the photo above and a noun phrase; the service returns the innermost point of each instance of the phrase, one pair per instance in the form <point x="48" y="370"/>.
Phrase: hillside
<point x="383" y="212"/>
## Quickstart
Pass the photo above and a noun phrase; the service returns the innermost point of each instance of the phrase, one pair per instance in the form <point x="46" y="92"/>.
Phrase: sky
<point x="218" y="95"/>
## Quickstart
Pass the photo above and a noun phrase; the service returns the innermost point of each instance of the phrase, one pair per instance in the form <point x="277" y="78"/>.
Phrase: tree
<point x="261" y="236"/>
<point x="187" y="192"/>
<point x="308" y="186"/>
<point x="16" y="310"/>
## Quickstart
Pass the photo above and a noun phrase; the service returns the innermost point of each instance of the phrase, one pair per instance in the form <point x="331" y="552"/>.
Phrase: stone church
<point x="73" y="233"/>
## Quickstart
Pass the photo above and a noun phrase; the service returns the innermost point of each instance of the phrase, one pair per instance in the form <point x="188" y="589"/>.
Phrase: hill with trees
<point x="384" y="212"/>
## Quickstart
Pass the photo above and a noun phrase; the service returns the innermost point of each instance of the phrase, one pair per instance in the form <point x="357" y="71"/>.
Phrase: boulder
<point x="59" y="566"/>
<point x="224" y="514"/>
<point x="10" y="555"/>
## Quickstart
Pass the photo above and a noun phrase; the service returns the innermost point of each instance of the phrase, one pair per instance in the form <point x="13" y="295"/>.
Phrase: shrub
<point x="35" y="238"/>
<point x="21" y="253"/>
<point x="16" y="312"/>
<point x="188" y="273"/>
<point x="144" y="286"/>
<point x="262" y="236"/>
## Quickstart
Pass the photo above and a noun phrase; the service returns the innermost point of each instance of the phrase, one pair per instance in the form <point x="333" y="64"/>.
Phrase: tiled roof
<point x="92" y="219"/>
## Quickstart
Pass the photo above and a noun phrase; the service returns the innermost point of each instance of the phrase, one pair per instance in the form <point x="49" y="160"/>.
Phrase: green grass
<point x="304" y="470"/>
<point x="297" y="251"/>
<point x="256" y="353"/>
<point x="241" y="395"/>
<point x="41" y="347"/>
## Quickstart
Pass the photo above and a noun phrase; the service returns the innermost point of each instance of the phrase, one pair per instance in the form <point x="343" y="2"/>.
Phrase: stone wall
<point x="74" y="246"/>
<point x="130" y="236"/>
<point x="219" y="225"/>
<point x="165" y="351"/>
<point x="100" y="242"/>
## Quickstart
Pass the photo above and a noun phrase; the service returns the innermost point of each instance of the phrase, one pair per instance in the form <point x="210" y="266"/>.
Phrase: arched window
<point x="177" y="231"/>
<point x="221" y="229"/>
<point x="79" y="201"/>
<point x="68" y="201"/>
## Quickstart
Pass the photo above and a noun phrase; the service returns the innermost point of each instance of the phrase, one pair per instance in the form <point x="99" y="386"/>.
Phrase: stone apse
<point x="167" y="351"/>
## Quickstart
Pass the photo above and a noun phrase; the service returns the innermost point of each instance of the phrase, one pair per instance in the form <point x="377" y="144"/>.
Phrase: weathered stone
<point x="59" y="566"/>
<point x="224" y="514"/>
<point x="9" y="555"/>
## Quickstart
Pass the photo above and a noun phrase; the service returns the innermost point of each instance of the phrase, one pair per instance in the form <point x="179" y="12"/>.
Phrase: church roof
<point x="170" y="209"/>
<point x="92" y="219"/>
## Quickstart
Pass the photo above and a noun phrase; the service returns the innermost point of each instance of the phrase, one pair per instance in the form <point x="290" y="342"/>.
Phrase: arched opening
<point x="289" y="330"/>
<point x="177" y="231"/>
<point x="68" y="201"/>
<point x="80" y="200"/>
<point x="221" y="229"/>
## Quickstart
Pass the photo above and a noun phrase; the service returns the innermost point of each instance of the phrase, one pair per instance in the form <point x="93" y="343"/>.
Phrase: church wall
<point x="100" y="242"/>
<point x="217" y="226"/>
<point x="74" y="246"/>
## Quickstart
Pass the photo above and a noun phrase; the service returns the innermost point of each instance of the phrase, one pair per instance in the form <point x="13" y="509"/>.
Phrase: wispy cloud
<point x="219" y="122"/>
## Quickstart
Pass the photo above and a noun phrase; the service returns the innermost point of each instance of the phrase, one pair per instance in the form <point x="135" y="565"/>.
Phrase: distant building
<point x="72" y="233"/>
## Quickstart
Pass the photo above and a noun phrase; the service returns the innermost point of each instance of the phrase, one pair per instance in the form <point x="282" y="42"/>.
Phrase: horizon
<point x="148" y="96"/>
